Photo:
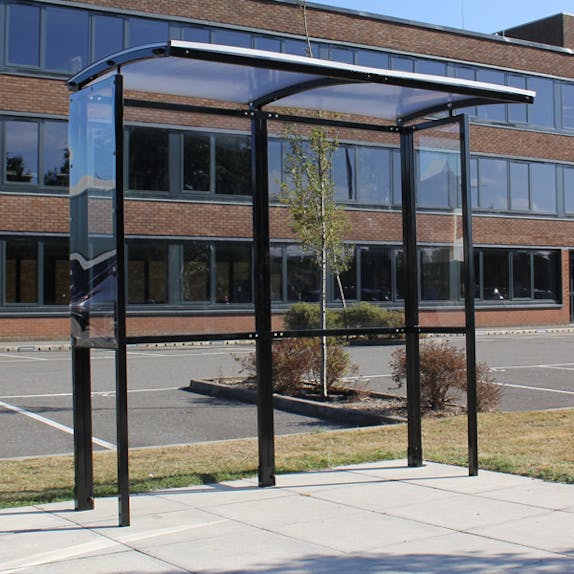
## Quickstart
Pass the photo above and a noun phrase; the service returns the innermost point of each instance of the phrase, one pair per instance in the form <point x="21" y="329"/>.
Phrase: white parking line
<point x="21" y="358"/>
<point x="548" y="366"/>
<point x="109" y="393"/>
<point x="542" y="389"/>
<point x="53" y="424"/>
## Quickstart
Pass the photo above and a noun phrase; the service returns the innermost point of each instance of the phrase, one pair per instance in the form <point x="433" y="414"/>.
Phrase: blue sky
<point x="475" y="15"/>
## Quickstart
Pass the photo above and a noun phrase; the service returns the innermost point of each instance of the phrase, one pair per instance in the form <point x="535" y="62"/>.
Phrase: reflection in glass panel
<point x="56" y="154"/>
<point x="147" y="272"/>
<point x="233" y="165"/>
<point x="67" y="33"/>
<point x="433" y="178"/>
<point x="374" y="175"/>
<point x="519" y="183"/>
<point x="372" y="59"/>
<point x="567" y="105"/>
<point x="547" y="275"/>
<point x="348" y="282"/>
<point x="196" y="34"/>
<point x="196" y="272"/>
<point x="196" y="162"/>
<point x="492" y="183"/>
<point x="517" y="112"/>
<point x="543" y="187"/>
<point x="23" y="42"/>
<point x="521" y="276"/>
<point x="496" y="112"/>
<point x="275" y="166"/>
<point x="541" y="112"/>
<point x="56" y="272"/>
<point x="232" y="38"/>
<point x="143" y="31"/>
<point x="435" y="283"/>
<point x="343" y="162"/>
<point x="276" y="262"/>
<point x="21" y="271"/>
<point x="148" y="159"/>
<point x="21" y="151"/>
<point x="376" y="276"/>
<point x="108" y="35"/>
<point x="233" y="273"/>
<point x="495" y="275"/>
<point x="569" y="189"/>
<point x="303" y="276"/>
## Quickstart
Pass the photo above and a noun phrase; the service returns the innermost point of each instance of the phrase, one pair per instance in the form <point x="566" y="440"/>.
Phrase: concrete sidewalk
<point x="370" y="518"/>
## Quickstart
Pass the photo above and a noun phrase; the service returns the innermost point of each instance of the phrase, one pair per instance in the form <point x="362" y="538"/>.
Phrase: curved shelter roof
<point x="256" y="79"/>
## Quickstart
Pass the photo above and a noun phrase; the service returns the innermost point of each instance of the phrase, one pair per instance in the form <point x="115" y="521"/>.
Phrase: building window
<point x="233" y="165"/>
<point x="21" y="271"/>
<point x="56" y="156"/>
<point x="521" y="275"/>
<point x="23" y="42"/>
<point x="276" y="262"/>
<point x="21" y="151"/>
<point x="144" y="31"/>
<point x="543" y="187"/>
<point x="56" y="272"/>
<point x="492" y="184"/>
<point x="435" y="273"/>
<point x="374" y="175"/>
<point x="196" y="272"/>
<point x="547" y="275"/>
<point x="569" y="190"/>
<point x="567" y="105"/>
<point x="495" y="275"/>
<point x="232" y="273"/>
<point x="196" y="162"/>
<point x="541" y="112"/>
<point x="147" y="272"/>
<point x="435" y="179"/>
<point x="303" y="275"/>
<point x="348" y="281"/>
<point x="376" y="274"/>
<point x="108" y="35"/>
<point x="148" y="159"/>
<point x="66" y="39"/>
<point x="343" y="163"/>
<point x="495" y="112"/>
<point x="519" y="187"/>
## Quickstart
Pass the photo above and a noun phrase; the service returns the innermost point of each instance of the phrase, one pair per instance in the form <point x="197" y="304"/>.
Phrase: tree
<point x="316" y="218"/>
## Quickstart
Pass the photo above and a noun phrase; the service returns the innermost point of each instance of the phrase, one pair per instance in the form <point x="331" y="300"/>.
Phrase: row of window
<point x="161" y="272"/>
<point x="55" y="38"/>
<point x="36" y="157"/>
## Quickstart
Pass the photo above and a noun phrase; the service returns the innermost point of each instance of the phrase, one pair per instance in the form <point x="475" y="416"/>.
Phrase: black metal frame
<point x="263" y="334"/>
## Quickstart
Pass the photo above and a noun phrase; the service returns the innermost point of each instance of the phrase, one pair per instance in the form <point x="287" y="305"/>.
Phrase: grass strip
<point x="538" y="444"/>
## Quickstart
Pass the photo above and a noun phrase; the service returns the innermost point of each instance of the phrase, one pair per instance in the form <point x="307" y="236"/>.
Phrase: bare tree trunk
<point x="323" y="294"/>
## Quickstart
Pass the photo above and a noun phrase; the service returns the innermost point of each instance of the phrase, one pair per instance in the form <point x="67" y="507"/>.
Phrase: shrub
<point x="307" y="316"/>
<point x="443" y="373"/>
<point x="297" y="362"/>
<point x="369" y="315"/>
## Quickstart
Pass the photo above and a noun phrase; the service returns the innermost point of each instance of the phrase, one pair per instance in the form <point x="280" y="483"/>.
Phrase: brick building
<point x="188" y="210"/>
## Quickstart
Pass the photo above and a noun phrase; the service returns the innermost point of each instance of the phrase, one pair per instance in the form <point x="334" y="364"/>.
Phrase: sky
<point x="486" y="16"/>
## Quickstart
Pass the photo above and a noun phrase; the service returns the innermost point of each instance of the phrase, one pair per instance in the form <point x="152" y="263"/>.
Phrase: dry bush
<point x="297" y="362"/>
<point x="443" y="374"/>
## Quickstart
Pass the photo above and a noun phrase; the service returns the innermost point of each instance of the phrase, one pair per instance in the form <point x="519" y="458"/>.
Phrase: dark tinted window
<point x="147" y="272"/>
<point x="196" y="162"/>
<point x="376" y="278"/>
<point x="303" y="277"/>
<point x="521" y="276"/>
<point x="108" y="35"/>
<point x="23" y="35"/>
<point x="495" y="275"/>
<point x="547" y="275"/>
<point x="21" y="150"/>
<point x="66" y="39"/>
<point x="56" y="272"/>
<point x="232" y="273"/>
<point x="196" y="272"/>
<point x="276" y="258"/>
<point x="435" y="283"/>
<point x="21" y="271"/>
<point x="148" y="169"/>
<point x="56" y="157"/>
<point x="233" y="165"/>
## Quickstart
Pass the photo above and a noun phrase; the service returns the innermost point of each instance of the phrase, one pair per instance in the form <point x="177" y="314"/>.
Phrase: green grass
<point x="536" y="444"/>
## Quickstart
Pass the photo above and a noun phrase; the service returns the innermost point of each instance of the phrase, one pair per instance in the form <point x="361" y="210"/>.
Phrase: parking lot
<point x="537" y="372"/>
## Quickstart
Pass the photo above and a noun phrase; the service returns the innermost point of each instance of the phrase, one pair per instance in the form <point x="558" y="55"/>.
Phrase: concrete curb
<point x="296" y="405"/>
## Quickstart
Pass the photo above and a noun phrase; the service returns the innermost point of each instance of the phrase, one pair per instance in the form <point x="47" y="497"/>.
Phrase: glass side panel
<point x="93" y="256"/>
<point x="440" y="250"/>
<point x="23" y="42"/>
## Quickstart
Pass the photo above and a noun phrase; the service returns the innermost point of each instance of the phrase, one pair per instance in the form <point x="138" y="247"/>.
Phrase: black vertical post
<point x="83" y="448"/>
<point x="121" y="360"/>
<point x="414" y="451"/>
<point x="260" y="182"/>
<point x="469" y="298"/>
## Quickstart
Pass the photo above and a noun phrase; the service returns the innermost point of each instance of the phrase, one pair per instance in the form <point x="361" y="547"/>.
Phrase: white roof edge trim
<point x="333" y="65"/>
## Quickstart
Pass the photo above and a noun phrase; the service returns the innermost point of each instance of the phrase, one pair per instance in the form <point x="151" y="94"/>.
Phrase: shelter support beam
<point x="83" y="449"/>
<point x="261" y="235"/>
<point x="414" y="450"/>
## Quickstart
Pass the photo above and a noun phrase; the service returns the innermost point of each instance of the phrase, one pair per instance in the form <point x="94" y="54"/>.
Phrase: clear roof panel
<point x="256" y="78"/>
